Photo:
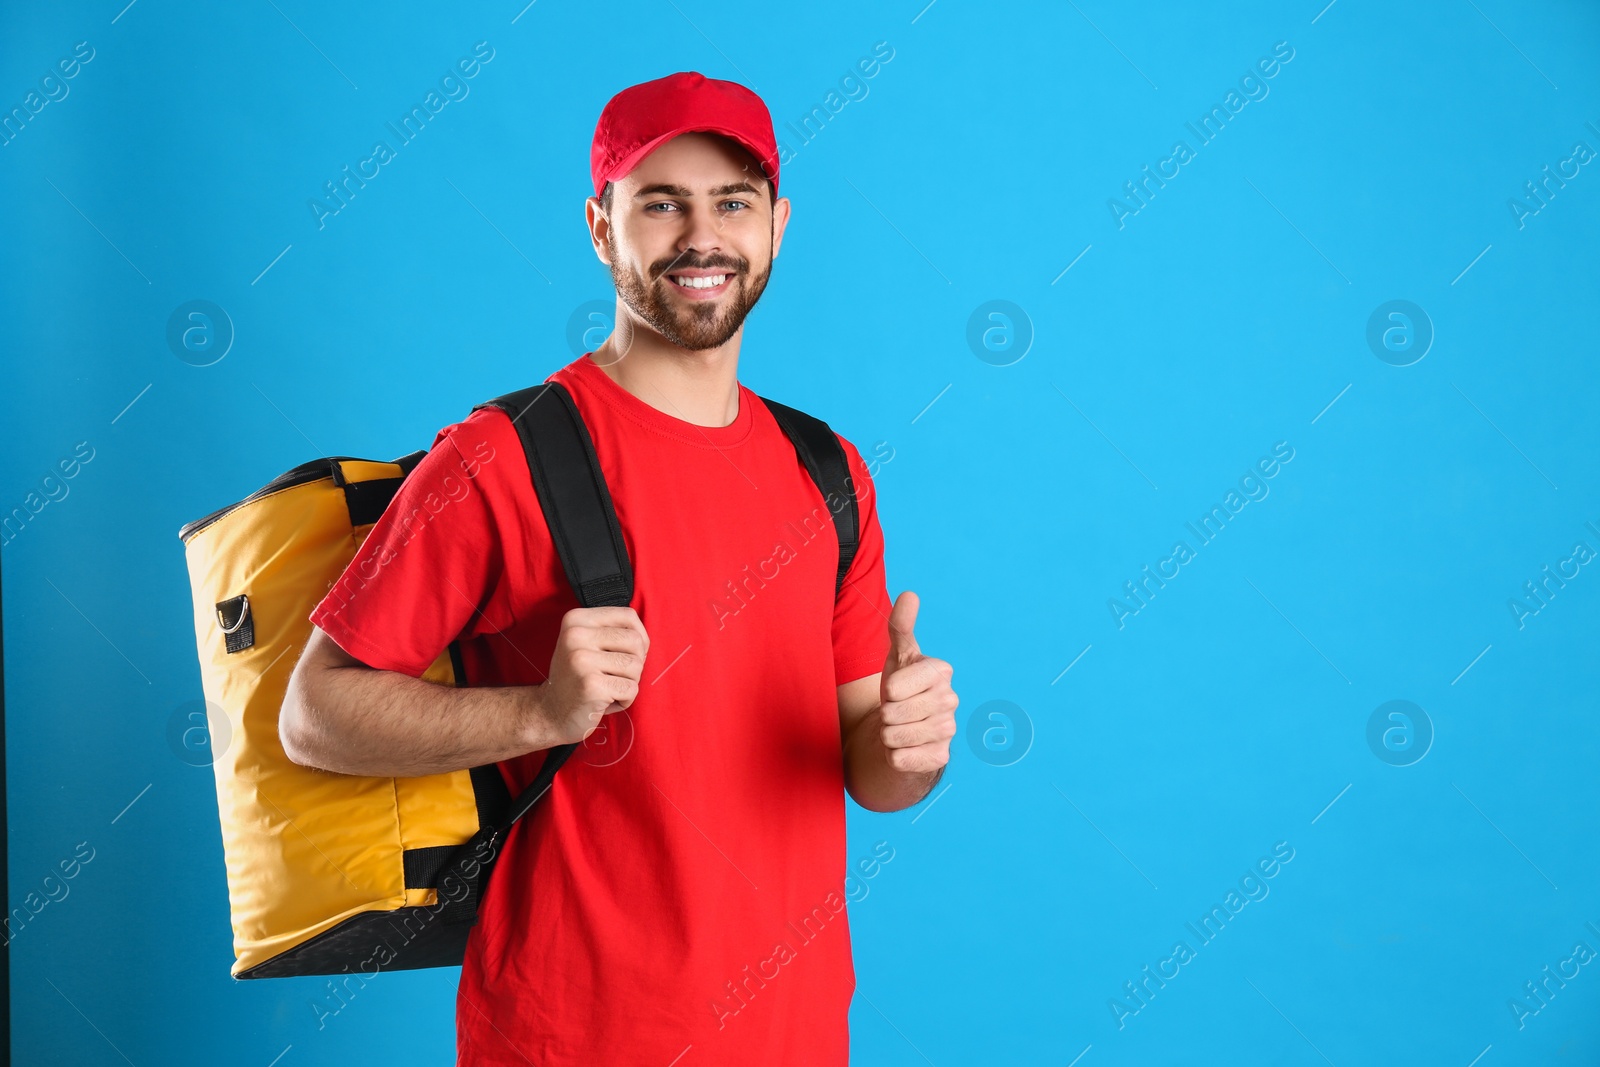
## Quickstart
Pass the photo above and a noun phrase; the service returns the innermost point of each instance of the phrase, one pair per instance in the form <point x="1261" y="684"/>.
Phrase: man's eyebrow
<point x="666" y="189"/>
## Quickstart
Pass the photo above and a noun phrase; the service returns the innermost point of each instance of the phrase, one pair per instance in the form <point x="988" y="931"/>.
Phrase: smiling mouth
<point x="708" y="282"/>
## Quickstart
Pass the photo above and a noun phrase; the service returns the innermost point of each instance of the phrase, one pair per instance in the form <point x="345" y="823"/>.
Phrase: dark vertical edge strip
<point x="5" y="865"/>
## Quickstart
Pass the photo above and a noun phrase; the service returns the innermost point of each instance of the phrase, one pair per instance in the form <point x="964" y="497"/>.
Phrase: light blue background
<point x="1222" y="318"/>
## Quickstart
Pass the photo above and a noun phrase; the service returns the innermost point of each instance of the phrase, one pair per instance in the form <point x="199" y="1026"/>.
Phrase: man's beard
<point x="694" y="325"/>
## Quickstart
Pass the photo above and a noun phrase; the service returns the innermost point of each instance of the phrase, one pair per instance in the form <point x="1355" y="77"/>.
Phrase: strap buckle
<point x="244" y="613"/>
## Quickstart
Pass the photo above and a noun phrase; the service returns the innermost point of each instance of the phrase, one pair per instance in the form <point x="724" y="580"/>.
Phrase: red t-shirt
<point x="678" y="896"/>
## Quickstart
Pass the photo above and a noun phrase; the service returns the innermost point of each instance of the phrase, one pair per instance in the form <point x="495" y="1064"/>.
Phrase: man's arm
<point x="896" y="726"/>
<point x="341" y="715"/>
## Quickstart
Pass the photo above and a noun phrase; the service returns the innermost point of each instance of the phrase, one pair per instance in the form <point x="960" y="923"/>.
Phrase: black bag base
<point x="407" y="938"/>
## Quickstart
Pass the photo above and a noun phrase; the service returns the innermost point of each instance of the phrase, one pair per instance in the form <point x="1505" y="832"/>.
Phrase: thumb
<point x="903" y="650"/>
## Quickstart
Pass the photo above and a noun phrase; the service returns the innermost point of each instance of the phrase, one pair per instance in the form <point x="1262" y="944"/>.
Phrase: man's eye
<point x="735" y="204"/>
<point x="663" y="204"/>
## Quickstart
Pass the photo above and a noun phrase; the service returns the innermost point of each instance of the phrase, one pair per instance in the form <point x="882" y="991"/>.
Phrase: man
<point x="677" y="897"/>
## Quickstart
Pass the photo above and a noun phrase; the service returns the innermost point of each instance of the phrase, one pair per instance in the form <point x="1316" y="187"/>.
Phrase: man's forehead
<point x="704" y="162"/>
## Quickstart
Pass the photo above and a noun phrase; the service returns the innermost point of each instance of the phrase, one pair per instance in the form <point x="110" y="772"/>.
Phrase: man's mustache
<point x="665" y="267"/>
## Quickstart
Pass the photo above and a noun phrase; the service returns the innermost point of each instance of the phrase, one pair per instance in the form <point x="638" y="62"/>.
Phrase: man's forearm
<point x="356" y="720"/>
<point x="871" y="779"/>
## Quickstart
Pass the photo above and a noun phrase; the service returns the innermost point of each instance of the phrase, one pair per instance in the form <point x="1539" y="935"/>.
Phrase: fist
<point x="594" y="671"/>
<point x="917" y="706"/>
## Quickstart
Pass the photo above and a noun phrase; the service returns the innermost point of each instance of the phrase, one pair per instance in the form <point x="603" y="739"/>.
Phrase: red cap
<point x="646" y="116"/>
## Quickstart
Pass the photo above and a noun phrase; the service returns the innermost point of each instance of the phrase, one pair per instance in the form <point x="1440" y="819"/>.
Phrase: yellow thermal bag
<point x="333" y="872"/>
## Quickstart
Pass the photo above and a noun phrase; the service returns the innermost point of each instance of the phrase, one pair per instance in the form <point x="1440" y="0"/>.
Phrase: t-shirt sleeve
<point x="432" y="568"/>
<point x="861" y="610"/>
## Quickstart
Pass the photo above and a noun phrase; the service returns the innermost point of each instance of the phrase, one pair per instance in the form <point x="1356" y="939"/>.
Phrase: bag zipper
<point x="311" y="471"/>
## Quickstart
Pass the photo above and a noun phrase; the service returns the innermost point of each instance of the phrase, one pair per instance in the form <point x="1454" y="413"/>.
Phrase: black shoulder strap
<point x="583" y="525"/>
<point x="825" y="461"/>
<point x="572" y="492"/>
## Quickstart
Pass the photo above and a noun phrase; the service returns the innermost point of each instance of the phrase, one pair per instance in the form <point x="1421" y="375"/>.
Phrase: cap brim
<point x="624" y="166"/>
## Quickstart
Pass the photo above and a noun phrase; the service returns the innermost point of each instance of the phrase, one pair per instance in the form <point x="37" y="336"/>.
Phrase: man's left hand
<point x="917" y="706"/>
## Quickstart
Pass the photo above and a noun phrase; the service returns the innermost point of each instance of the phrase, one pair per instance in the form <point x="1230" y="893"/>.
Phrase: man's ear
<point x="780" y="219"/>
<point x="599" y="227"/>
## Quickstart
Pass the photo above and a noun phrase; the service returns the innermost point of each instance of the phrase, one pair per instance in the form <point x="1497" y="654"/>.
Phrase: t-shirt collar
<point x="652" y="418"/>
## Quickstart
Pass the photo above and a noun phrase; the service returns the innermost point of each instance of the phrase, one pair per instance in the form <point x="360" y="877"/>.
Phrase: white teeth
<point x="700" y="283"/>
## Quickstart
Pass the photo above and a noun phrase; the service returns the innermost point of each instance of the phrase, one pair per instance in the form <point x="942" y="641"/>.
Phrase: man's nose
<point x="702" y="234"/>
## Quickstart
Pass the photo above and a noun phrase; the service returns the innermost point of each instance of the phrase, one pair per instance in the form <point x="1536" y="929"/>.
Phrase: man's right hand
<point x="594" y="671"/>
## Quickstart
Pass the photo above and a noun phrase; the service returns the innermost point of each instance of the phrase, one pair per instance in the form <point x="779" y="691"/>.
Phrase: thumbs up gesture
<point x="917" y="706"/>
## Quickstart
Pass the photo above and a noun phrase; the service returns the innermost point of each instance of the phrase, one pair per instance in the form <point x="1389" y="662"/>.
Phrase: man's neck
<point x="698" y="387"/>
